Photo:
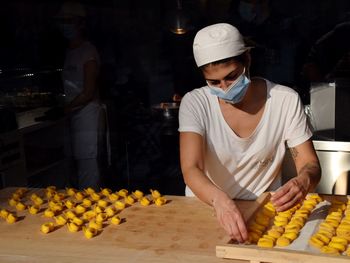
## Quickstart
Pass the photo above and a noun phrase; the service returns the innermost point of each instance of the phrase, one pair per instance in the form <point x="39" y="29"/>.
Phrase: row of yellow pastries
<point x="271" y="228"/>
<point x="79" y="207"/>
<point x="333" y="234"/>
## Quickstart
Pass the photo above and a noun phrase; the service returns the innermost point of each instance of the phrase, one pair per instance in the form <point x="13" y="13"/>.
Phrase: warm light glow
<point x="178" y="31"/>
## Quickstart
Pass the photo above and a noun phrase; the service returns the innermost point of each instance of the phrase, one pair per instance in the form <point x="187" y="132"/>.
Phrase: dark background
<point x="144" y="64"/>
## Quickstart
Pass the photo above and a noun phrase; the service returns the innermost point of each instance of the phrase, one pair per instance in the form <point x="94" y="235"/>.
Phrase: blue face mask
<point x="235" y="92"/>
<point x="68" y="31"/>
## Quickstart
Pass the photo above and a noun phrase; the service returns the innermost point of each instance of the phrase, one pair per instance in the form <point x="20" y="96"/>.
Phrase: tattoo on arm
<point x="294" y="152"/>
<point x="311" y="168"/>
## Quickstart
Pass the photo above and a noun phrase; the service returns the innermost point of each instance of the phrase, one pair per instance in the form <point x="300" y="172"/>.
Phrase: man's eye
<point x="214" y="82"/>
<point x="231" y="78"/>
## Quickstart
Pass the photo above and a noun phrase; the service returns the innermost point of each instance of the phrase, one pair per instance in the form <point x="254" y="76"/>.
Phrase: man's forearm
<point x="313" y="171"/>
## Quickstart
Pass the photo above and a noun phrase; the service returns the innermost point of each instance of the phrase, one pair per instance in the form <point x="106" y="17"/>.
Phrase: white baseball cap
<point x="216" y="42"/>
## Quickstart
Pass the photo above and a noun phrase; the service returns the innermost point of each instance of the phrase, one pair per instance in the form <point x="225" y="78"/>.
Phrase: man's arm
<point x="309" y="175"/>
<point x="192" y="163"/>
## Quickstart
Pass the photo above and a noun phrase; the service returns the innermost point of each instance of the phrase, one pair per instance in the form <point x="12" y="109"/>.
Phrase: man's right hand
<point x="230" y="218"/>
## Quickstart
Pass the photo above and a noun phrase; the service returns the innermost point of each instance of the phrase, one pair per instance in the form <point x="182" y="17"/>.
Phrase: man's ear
<point x="247" y="59"/>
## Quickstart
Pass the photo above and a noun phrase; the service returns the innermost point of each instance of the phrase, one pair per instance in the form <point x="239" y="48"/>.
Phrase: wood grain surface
<point x="183" y="230"/>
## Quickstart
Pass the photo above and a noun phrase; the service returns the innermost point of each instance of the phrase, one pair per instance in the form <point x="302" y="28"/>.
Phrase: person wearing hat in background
<point x="86" y="115"/>
<point x="233" y="133"/>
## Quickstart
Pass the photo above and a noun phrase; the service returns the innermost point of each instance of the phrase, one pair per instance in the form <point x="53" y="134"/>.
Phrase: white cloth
<point x="245" y="167"/>
<point x="84" y="127"/>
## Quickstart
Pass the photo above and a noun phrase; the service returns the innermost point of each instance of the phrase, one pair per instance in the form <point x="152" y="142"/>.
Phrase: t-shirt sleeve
<point x="190" y="119"/>
<point x="298" y="130"/>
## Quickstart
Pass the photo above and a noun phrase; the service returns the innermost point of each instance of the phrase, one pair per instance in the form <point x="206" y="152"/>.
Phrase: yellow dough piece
<point x="129" y="200"/>
<point x="340" y="240"/>
<point x="110" y="211"/>
<point x="34" y="209"/>
<point x="274" y="233"/>
<point x="160" y="201"/>
<point x="95" y="225"/>
<point x="106" y="192"/>
<point x="269" y="237"/>
<point x="315" y="242"/>
<point x="79" y="209"/>
<point x="123" y="192"/>
<point x="332" y="222"/>
<point x="102" y="203"/>
<point x="326" y="226"/>
<point x="329" y="250"/>
<point x="69" y="204"/>
<point x="49" y="213"/>
<point x="59" y="197"/>
<point x="282" y="241"/>
<point x="95" y="196"/>
<point x="88" y="215"/>
<point x="73" y="227"/>
<point x="338" y="246"/>
<point x="290" y="235"/>
<point x="86" y="202"/>
<point x="145" y="201"/>
<point x="38" y="201"/>
<point x="308" y="207"/>
<point x="79" y="196"/>
<point x="60" y="220"/>
<point x="115" y="220"/>
<point x="155" y="193"/>
<point x="20" y="206"/>
<point x="113" y="197"/>
<point x="119" y="205"/>
<point x="262" y="220"/>
<point x="138" y="194"/>
<point x="78" y="221"/>
<point x="13" y="202"/>
<point x="256" y="226"/>
<point x="265" y="242"/>
<point x="326" y="233"/>
<point x="89" y="232"/>
<point x="98" y="209"/>
<point x="253" y="237"/>
<point x="280" y="218"/>
<point x="280" y="223"/>
<point x="286" y="214"/>
<point x="324" y="238"/>
<point x="71" y="191"/>
<point x="310" y="201"/>
<point x="11" y="218"/>
<point x="4" y="213"/>
<point x="47" y="227"/>
<point x="89" y="191"/>
<point x="314" y="196"/>
<point x="101" y="217"/>
<point x="278" y="228"/>
<point x="70" y="215"/>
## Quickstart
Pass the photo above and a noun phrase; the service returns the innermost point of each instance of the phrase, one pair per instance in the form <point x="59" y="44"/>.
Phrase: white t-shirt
<point x="245" y="167"/>
<point x="73" y="72"/>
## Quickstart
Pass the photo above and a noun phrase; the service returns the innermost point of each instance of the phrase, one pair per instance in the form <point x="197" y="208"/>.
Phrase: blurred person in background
<point x="86" y="116"/>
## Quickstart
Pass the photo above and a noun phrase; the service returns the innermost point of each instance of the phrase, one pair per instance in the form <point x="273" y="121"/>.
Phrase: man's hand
<point x="230" y="218"/>
<point x="292" y="193"/>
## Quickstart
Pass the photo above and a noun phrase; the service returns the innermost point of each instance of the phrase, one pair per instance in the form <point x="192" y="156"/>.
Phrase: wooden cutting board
<point x="183" y="230"/>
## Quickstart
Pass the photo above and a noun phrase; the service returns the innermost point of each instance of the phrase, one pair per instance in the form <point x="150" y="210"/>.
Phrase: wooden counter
<point x="183" y="230"/>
